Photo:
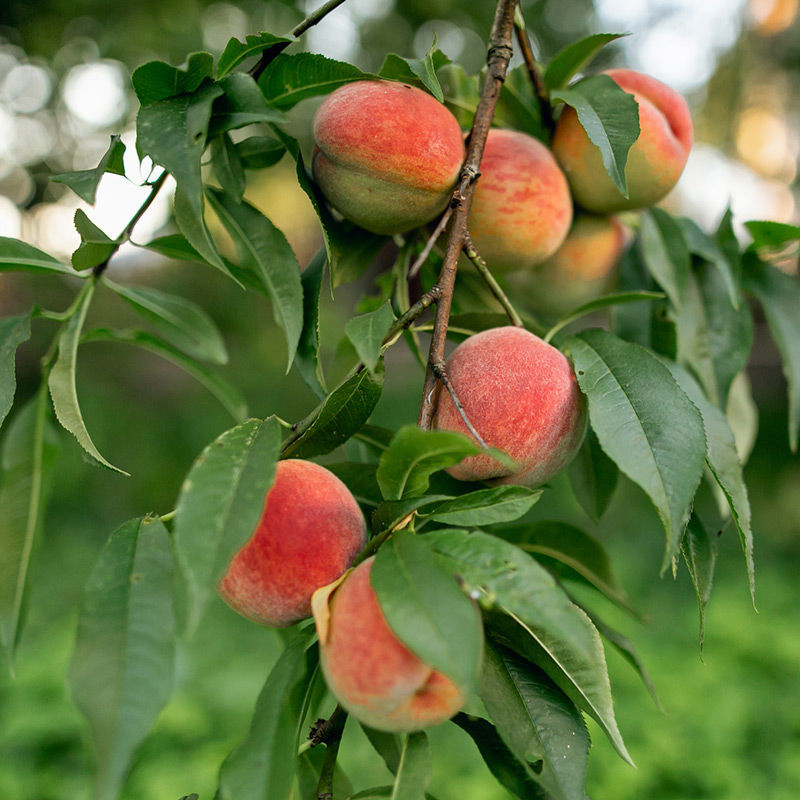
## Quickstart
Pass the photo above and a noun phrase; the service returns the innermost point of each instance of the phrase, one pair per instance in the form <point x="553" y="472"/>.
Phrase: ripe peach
<point x="655" y="161"/>
<point x="387" y="155"/>
<point x="308" y="535"/>
<point x="521" y="395"/>
<point x="370" y="671"/>
<point x="582" y="268"/>
<point x="521" y="209"/>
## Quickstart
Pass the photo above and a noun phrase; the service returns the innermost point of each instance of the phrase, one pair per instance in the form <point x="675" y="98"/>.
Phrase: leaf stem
<point x="475" y="257"/>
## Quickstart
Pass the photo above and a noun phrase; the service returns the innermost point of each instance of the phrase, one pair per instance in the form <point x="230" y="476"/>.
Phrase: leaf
<point x="228" y="167"/>
<point x="771" y="235"/>
<point x="241" y="104"/>
<point x="62" y="381"/>
<point x="338" y="417"/>
<point x="593" y="477"/>
<point x="157" y="80"/>
<point x="16" y="255"/>
<point x="486" y="506"/>
<point x="306" y="358"/>
<point x="518" y="105"/>
<point x="309" y="767"/>
<point x="260" y="152"/>
<point x="95" y="247"/>
<point x="262" y="766"/>
<point x="414" y="455"/>
<point x="227" y="394"/>
<point x="461" y="93"/>
<point x="426" y="609"/>
<point x="610" y="117"/>
<point x="705" y="246"/>
<point x="537" y="722"/>
<point x="178" y="320"/>
<point x="575" y="57"/>
<point x="416" y="70"/>
<point x="729" y="245"/>
<point x="292" y="78"/>
<point x="84" y="182"/>
<point x="511" y="773"/>
<point x="221" y="501"/>
<point x="779" y="296"/>
<point x="13" y="332"/>
<point x="122" y="668"/>
<point x="198" y="237"/>
<point x="723" y="461"/>
<point x="387" y="745"/>
<point x="665" y="253"/>
<point x="414" y="772"/>
<point x="28" y="454"/>
<point x="714" y="338"/>
<point x="367" y="332"/>
<point x="173" y="133"/>
<point x="390" y="513"/>
<point x="644" y="422"/>
<point x="566" y="645"/>
<point x="264" y="251"/>
<point x="235" y="51"/>
<point x="699" y="550"/>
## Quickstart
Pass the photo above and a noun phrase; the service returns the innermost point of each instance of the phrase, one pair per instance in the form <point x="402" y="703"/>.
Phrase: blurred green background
<point x="731" y="727"/>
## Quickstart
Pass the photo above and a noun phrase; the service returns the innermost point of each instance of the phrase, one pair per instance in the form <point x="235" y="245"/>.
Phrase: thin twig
<point x="312" y="19"/>
<point x="474" y="256"/>
<point x="534" y="72"/>
<point x="440" y="371"/>
<point x="426" y="251"/>
<point x="404" y="321"/>
<point x="332" y="739"/>
<point x="497" y="60"/>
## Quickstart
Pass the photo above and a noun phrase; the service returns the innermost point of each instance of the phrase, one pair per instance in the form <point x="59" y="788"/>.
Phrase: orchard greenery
<point x="468" y="588"/>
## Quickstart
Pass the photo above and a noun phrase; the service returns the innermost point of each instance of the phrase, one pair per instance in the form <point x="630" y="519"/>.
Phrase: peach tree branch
<point x="475" y="257"/>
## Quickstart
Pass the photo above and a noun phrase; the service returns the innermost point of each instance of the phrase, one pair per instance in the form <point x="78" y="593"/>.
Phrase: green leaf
<point x="564" y="643"/>
<point x="220" y="504"/>
<point x="241" y="104"/>
<point x="178" y="320"/>
<point x="518" y="105"/>
<point x="367" y="333"/>
<point x="227" y="394"/>
<point x="708" y="248"/>
<point x="173" y="133"/>
<point x="610" y="117"/>
<point x="235" y="51"/>
<point x="665" y="253"/>
<point x="260" y="152"/>
<point x="157" y="80"/>
<point x="390" y="513"/>
<point x="95" y="247"/>
<point x="29" y="451"/>
<point x="197" y="235"/>
<point x="62" y="381"/>
<point x="593" y="477"/>
<point x="461" y="93"/>
<point x="575" y="57"/>
<point x="16" y="255"/>
<point x="514" y="775"/>
<point x="699" y="550"/>
<point x="122" y="668"/>
<point x="387" y="745"/>
<point x="264" y="251"/>
<point x="779" y="296"/>
<point x="644" y="422"/>
<point x="292" y="78"/>
<point x="350" y="249"/>
<point x="771" y="235"/>
<point x="426" y="609"/>
<point x="262" y="767"/>
<point x="537" y="722"/>
<point x="414" y="772"/>
<point x="338" y="417"/>
<point x="306" y="358"/>
<point x="714" y="338"/>
<point x="309" y="767"/>
<point x="723" y="461"/>
<point x="175" y="246"/>
<point x="486" y="506"/>
<point x="13" y="332"/>
<point x="228" y="167"/>
<point x="414" y="455"/>
<point x="84" y="182"/>
<point x="729" y="245"/>
<point x="416" y="70"/>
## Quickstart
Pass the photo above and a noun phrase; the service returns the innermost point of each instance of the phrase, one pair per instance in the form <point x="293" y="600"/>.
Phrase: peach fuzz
<point x="310" y="531"/>
<point x="655" y="161"/>
<point x="521" y="210"/>
<point x="521" y="395"/>
<point x="387" y="155"/>
<point x="369" y="670"/>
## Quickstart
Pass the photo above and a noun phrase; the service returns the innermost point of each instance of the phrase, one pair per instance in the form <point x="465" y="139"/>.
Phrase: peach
<point x="370" y="671"/>
<point x="521" y="396"/>
<point x="582" y="268"/>
<point x="655" y="161"/>
<point x="521" y="209"/>
<point x="387" y="155"/>
<point x="310" y="531"/>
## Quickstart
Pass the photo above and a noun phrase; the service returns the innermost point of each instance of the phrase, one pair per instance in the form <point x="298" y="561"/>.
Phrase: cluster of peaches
<point x="388" y="157"/>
